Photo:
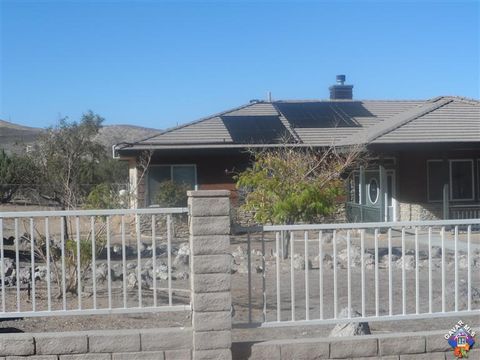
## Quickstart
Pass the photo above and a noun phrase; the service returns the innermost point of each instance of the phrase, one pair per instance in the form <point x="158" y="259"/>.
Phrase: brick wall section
<point x="147" y="344"/>
<point x="396" y="346"/>
<point x="209" y="240"/>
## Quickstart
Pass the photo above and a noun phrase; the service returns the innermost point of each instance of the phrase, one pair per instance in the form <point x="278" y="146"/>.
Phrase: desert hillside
<point x="15" y="138"/>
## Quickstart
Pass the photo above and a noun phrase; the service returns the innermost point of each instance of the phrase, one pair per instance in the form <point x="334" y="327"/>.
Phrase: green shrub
<point x="171" y="194"/>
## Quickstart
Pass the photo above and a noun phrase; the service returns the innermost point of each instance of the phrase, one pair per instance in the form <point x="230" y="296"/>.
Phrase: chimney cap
<point x="341" y="79"/>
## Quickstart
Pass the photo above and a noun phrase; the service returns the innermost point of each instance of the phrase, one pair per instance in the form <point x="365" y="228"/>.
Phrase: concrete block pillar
<point x="209" y="223"/>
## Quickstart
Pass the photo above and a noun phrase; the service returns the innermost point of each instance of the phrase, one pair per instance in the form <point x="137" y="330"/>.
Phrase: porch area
<point x="415" y="185"/>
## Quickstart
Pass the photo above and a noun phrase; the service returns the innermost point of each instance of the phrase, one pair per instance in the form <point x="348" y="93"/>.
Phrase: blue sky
<point x="159" y="63"/>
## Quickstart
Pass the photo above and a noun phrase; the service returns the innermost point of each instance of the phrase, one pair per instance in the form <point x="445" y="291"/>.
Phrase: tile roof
<point x="324" y="123"/>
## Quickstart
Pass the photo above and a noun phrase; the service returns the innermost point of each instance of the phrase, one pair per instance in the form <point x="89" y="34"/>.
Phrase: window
<point x="181" y="174"/>
<point x="458" y="173"/>
<point x="437" y="176"/>
<point x="461" y="180"/>
<point x="373" y="191"/>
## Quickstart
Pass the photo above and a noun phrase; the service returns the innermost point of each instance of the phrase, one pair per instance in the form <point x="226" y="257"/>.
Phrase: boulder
<point x="117" y="250"/>
<point x="8" y="266"/>
<point x="25" y="275"/>
<point x="355" y="256"/>
<point x="351" y="328"/>
<point x="41" y="273"/>
<point x="462" y="261"/>
<point x="182" y="275"/>
<point x="161" y="272"/>
<point x="436" y="252"/>
<point x="101" y="273"/>
<point x="240" y="252"/>
<point x="409" y="262"/>
<point x="299" y="262"/>
<point x="132" y="281"/>
<point x="183" y="255"/>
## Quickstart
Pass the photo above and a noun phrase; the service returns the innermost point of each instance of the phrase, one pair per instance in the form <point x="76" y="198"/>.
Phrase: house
<point x="426" y="153"/>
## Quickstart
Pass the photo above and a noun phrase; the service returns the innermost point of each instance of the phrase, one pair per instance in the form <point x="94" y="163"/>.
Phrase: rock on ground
<point x="351" y="328"/>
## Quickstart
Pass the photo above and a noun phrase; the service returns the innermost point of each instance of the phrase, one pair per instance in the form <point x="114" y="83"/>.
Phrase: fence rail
<point x="92" y="262"/>
<point x="333" y="273"/>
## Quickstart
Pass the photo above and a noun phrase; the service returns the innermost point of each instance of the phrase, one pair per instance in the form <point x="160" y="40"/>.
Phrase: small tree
<point x="68" y="156"/>
<point x="16" y="172"/>
<point x="287" y="185"/>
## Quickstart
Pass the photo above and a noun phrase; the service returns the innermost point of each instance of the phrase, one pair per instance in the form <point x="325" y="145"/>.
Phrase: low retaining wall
<point x="398" y="346"/>
<point x="148" y="344"/>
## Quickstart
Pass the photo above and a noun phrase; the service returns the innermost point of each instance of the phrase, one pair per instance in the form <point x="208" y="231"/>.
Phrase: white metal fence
<point x="93" y="262"/>
<point x="331" y="273"/>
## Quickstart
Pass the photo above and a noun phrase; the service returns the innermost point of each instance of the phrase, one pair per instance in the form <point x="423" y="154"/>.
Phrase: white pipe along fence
<point x="364" y="271"/>
<point x="92" y="262"/>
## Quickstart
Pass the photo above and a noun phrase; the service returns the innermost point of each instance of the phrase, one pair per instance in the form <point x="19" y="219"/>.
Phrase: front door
<point x="374" y="193"/>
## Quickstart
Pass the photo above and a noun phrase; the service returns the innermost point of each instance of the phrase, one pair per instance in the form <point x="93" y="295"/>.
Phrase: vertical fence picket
<point x="79" y="268"/>
<point x="349" y="277"/>
<point x="292" y="274"/>
<point x="94" y="263"/>
<point x="169" y="259"/>
<point x="249" y="275"/>
<point x="139" y="259"/>
<point x="430" y="285"/>
<point x="32" y="264"/>
<point x="362" y="269"/>
<point x="307" y="282"/>
<point x="277" y="273"/>
<point x="469" y="268"/>
<point x="49" y="278"/>
<point x="2" y="270"/>
<point x="154" y="261"/>
<point x="320" y="272"/>
<point x="456" y="267"/>
<point x="334" y="257"/>
<point x="109" y="270"/>
<point x="377" y="295"/>
<point x="17" y="261"/>
<point x="64" y="275"/>
<point x="264" y="280"/>
<point x="417" y="274"/>
<point x="442" y="235"/>
<point x="404" y="279"/>
<point x="124" y="263"/>
<point x="390" y="275"/>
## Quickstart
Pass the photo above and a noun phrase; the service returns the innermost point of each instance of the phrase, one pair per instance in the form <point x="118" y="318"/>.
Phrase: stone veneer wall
<point x="147" y="344"/>
<point x="395" y="346"/>
<point x="420" y="211"/>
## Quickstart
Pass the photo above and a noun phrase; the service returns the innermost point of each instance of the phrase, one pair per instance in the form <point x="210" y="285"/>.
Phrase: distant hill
<point x="15" y="138"/>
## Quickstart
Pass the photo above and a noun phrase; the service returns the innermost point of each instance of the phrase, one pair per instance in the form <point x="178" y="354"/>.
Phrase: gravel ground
<point x="251" y="332"/>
